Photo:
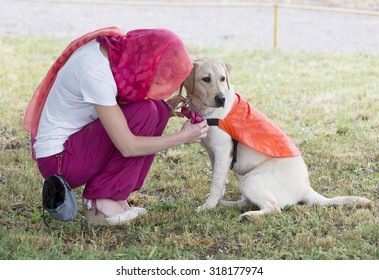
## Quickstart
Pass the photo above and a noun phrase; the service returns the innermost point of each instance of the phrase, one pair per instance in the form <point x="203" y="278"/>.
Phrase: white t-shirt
<point x="84" y="80"/>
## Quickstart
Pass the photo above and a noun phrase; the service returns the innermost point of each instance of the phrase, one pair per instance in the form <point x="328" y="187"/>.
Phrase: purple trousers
<point x="90" y="158"/>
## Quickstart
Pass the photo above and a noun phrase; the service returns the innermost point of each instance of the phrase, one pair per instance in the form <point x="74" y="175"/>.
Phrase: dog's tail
<point x="317" y="199"/>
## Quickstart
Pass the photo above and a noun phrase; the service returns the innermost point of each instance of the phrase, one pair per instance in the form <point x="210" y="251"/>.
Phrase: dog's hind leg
<point x="266" y="204"/>
<point x="239" y="203"/>
<point x="255" y="186"/>
<point x="267" y="208"/>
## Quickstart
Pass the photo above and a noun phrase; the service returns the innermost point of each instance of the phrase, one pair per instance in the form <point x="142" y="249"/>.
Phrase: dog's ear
<point x="228" y="69"/>
<point x="189" y="83"/>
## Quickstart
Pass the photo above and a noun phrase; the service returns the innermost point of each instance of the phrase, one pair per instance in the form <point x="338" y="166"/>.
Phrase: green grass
<point x="328" y="104"/>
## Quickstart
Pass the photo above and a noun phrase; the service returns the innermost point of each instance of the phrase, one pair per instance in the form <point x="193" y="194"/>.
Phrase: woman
<point x="98" y="116"/>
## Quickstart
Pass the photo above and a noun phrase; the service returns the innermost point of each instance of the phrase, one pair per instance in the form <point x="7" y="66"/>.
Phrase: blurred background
<point x="229" y="24"/>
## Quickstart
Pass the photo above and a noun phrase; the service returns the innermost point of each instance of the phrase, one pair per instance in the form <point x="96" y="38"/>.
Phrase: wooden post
<point x="276" y="20"/>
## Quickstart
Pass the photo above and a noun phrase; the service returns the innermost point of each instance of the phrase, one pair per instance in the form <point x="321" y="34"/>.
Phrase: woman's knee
<point x="149" y="111"/>
<point x="146" y="115"/>
<point x="163" y="109"/>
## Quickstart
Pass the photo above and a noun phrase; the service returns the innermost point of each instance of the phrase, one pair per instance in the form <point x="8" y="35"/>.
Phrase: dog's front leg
<point x="221" y="167"/>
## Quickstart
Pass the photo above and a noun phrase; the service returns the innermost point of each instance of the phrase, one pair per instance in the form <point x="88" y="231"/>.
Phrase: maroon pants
<point x="90" y="158"/>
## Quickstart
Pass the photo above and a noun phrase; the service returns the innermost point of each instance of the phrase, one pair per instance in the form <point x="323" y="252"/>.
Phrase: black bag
<point x="58" y="199"/>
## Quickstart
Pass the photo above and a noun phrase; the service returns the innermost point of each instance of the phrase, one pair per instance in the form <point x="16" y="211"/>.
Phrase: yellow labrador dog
<point x="268" y="182"/>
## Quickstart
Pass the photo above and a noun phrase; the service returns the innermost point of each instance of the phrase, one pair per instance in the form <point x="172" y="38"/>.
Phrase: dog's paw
<point x="249" y="217"/>
<point x="204" y="207"/>
<point x="201" y="208"/>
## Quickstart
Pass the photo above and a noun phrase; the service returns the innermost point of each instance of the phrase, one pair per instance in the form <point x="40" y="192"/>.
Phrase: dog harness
<point x="247" y="125"/>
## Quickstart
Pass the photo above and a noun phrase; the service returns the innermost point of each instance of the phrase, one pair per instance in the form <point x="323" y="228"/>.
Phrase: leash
<point x="184" y="104"/>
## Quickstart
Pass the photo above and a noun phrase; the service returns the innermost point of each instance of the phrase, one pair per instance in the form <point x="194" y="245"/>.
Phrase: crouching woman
<point x="98" y="116"/>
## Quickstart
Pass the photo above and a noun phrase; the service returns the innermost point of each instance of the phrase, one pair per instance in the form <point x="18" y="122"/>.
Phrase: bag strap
<point x="44" y="216"/>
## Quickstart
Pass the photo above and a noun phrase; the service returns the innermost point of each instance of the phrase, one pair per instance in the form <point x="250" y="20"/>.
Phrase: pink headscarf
<point x="148" y="63"/>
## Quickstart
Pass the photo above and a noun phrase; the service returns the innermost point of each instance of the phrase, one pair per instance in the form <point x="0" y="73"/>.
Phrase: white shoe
<point x="95" y="217"/>
<point x="123" y="217"/>
<point x="140" y="210"/>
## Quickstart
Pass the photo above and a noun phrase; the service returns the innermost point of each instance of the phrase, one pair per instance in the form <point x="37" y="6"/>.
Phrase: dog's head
<point x="208" y="84"/>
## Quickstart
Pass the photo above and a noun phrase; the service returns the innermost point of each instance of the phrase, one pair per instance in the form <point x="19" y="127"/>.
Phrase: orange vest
<point x="252" y="128"/>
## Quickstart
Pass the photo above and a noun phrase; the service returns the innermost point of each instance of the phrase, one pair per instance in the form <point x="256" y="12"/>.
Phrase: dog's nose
<point x="220" y="100"/>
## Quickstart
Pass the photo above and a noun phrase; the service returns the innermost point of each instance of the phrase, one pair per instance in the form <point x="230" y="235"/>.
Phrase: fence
<point x="276" y="8"/>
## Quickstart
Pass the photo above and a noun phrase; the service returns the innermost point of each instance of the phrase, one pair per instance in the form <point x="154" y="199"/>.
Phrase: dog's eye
<point x="206" y="79"/>
<point x="222" y="79"/>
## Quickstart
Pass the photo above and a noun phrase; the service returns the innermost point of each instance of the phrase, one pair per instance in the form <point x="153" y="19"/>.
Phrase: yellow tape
<point x="329" y="9"/>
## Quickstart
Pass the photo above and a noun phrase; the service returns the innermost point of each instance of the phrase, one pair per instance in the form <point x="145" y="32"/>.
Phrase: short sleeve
<point x="98" y="87"/>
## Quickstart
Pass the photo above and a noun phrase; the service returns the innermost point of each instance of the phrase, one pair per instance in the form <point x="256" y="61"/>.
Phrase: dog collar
<point x="190" y="104"/>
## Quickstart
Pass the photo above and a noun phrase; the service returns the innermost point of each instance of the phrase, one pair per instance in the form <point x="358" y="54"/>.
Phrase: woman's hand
<point x="193" y="133"/>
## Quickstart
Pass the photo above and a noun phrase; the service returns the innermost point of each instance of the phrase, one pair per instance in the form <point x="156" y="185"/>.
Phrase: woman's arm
<point x="131" y="145"/>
